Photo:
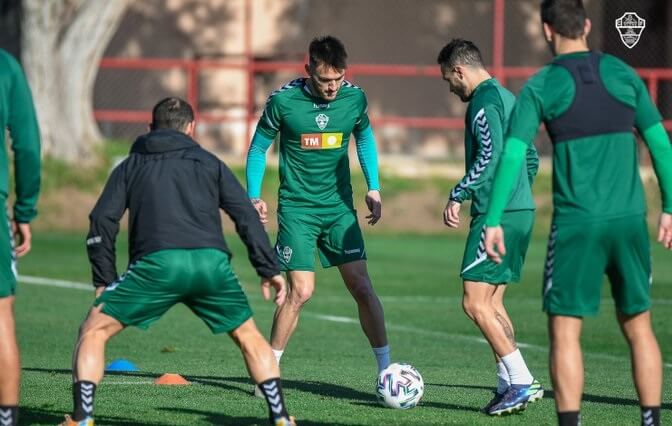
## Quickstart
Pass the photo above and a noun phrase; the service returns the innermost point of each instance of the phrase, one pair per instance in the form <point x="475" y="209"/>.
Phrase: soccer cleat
<point x="284" y="421"/>
<point x="69" y="422"/>
<point x="516" y="398"/>
<point x="495" y="400"/>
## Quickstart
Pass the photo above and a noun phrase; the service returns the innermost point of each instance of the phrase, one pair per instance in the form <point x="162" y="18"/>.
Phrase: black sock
<point x="651" y="416"/>
<point x="569" y="418"/>
<point x="9" y="415"/>
<point x="276" y="403"/>
<point x="82" y="395"/>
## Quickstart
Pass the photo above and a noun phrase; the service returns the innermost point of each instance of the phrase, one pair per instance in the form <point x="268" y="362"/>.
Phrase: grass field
<point x="328" y="368"/>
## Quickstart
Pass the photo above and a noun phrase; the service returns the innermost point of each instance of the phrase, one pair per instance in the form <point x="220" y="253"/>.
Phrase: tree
<point x="62" y="44"/>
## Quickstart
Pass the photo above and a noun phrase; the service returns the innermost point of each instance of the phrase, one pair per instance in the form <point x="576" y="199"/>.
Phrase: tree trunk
<point x="62" y="44"/>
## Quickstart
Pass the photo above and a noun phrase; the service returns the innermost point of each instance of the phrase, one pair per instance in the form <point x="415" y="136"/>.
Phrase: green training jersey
<point x="313" y="143"/>
<point x="485" y="121"/>
<point x="595" y="176"/>
<point x="18" y="115"/>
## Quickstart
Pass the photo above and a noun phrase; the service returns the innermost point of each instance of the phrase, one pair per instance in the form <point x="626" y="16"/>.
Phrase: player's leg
<point x="301" y="285"/>
<point x="503" y="379"/>
<point x="341" y="244"/>
<point x="371" y="316"/>
<point x="566" y="365"/>
<point x="89" y="363"/>
<point x="9" y="364"/>
<point x="214" y="294"/>
<point x="150" y="287"/>
<point x="297" y="239"/>
<point x="263" y="368"/>
<point x="647" y="368"/>
<point x="576" y="260"/>
<point x="629" y="273"/>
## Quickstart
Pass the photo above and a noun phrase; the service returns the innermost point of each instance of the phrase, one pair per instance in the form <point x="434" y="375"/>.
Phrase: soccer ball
<point x="400" y="386"/>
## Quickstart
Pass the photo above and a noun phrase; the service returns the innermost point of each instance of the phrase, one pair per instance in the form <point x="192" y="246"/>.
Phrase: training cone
<point x="171" y="379"/>
<point x="121" y="365"/>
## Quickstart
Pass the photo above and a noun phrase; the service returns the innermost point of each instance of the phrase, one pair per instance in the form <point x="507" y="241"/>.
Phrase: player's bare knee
<point x="362" y="290"/>
<point x="475" y="310"/>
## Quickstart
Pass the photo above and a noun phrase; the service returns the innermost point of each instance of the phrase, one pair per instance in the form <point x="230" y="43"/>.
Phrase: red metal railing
<point x="252" y="67"/>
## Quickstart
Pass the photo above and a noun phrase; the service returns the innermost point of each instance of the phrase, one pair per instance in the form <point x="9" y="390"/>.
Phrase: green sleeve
<point x="646" y="113"/>
<point x="487" y="128"/>
<point x="506" y="177"/>
<point x="271" y="119"/>
<point x="658" y="142"/>
<point x="526" y="115"/>
<point x="22" y="124"/>
<point x="532" y="162"/>
<point x="363" y="121"/>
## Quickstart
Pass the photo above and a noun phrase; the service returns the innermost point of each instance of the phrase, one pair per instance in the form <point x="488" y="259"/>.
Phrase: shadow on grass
<point x="32" y="416"/>
<point x="549" y="394"/>
<point x="222" y="419"/>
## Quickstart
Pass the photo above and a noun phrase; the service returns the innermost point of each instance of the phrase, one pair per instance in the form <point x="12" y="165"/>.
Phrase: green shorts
<point x="477" y="267"/>
<point x="8" y="272"/>
<point x="337" y="237"/>
<point x="579" y="255"/>
<point x="202" y="279"/>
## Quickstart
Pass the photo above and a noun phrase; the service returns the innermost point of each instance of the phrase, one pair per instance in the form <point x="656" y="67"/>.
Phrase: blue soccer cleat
<point x="495" y="400"/>
<point x="516" y="398"/>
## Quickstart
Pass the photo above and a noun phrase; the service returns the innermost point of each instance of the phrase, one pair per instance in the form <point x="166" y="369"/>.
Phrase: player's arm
<point x="267" y="128"/>
<point x="367" y="154"/>
<point x="25" y="134"/>
<point x="235" y="202"/>
<point x="104" y="227"/>
<point x="648" y="122"/>
<point x="523" y="125"/>
<point x="532" y="161"/>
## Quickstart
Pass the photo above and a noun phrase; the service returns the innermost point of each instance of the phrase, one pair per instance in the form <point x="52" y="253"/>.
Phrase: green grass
<point x="328" y="368"/>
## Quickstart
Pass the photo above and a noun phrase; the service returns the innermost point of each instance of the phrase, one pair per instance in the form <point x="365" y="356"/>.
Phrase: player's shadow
<point x="549" y="394"/>
<point x="32" y="415"/>
<point x="309" y="386"/>
<point x="223" y="419"/>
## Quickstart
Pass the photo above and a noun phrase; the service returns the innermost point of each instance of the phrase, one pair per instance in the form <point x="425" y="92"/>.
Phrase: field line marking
<point x="334" y="318"/>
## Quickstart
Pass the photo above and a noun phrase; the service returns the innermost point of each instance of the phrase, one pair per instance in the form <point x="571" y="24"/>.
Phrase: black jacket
<point x="173" y="190"/>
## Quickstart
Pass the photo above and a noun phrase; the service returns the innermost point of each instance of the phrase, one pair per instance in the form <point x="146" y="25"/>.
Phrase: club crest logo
<point x="286" y="253"/>
<point x="630" y="27"/>
<point x="322" y="120"/>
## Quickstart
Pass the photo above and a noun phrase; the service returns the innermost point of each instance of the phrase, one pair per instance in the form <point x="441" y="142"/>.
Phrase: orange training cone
<point x="171" y="379"/>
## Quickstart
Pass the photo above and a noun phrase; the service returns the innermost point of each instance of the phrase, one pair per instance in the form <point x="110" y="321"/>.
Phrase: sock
<point x="569" y="418"/>
<point x="382" y="357"/>
<point x="503" y="379"/>
<point x="651" y="416"/>
<point x="276" y="403"/>
<point x="82" y="394"/>
<point x="9" y="415"/>
<point x="278" y="354"/>
<point x="517" y="369"/>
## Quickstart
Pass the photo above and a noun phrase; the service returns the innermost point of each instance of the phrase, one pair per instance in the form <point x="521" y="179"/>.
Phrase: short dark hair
<point x="171" y="113"/>
<point x="327" y="50"/>
<point x="460" y="52"/>
<point x="566" y="17"/>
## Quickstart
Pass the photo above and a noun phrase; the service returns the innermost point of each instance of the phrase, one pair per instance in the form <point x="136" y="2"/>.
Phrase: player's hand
<point x="375" y="206"/>
<point x="262" y="209"/>
<point x="451" y="214"/>
<point x="99" y="290"/>
<point x="494" y="243"/>
<point x="23" y="237"/>
<point x="665" y="230"/>
<point x="278" y="283"/>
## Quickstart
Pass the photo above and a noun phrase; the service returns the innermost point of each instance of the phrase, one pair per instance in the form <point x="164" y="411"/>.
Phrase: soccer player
<point x="17" y="114"/>
<point x="315" y="117"/>
<point x="590" y="102"/>
<point x="174" y="190"/>
<point x="485" y="281"/>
